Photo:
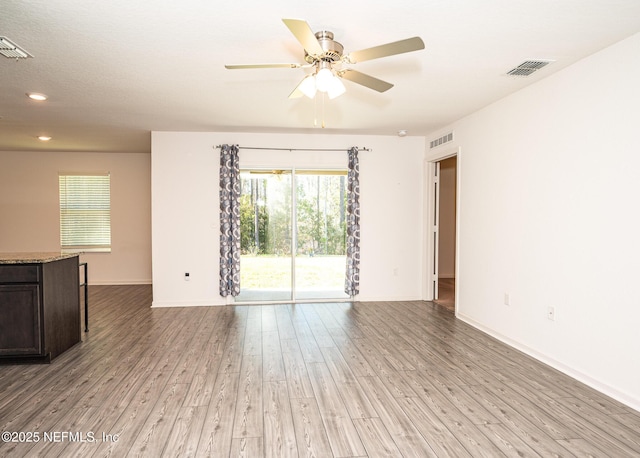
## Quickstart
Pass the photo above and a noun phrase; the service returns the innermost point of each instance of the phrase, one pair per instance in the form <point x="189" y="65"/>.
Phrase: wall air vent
<point x="528" y="67"/>
<point x="442" y="140"/>
<point x="11" y="50"/>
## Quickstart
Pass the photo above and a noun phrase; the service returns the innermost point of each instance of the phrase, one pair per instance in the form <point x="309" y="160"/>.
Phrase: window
<point x="85" y="212"/>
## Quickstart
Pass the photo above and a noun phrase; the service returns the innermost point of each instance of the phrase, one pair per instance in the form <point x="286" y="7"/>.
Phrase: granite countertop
<point x="34" y="257"/>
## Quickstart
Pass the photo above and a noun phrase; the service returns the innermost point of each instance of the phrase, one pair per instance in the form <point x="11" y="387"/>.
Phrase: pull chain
<point x="315" y="112"/>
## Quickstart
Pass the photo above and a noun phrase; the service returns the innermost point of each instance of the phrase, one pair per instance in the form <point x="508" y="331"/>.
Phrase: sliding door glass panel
<point x="320" y="261"/>
<point x="266" y="236"/>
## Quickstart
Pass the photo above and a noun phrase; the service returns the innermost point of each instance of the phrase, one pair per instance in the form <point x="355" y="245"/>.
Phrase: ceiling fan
<point x="326" y="56"/>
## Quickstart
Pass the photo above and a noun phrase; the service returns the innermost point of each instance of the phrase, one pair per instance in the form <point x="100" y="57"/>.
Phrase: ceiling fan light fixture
<point x="324" y="79"/>
<point x="336" y="88"/>
<point x="308" y="86"/>
<point x="327" y="81"/>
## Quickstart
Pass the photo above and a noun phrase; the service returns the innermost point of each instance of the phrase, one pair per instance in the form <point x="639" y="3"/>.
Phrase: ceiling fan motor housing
<point x="332" y="49"/>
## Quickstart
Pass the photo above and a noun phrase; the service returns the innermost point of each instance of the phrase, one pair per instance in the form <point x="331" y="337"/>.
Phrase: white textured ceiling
<point x="116" y="70"/>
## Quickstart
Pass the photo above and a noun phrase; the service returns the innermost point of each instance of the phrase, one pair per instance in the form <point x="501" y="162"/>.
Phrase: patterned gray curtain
<point x="352" y="282"/>
<point x="229" y="221"/>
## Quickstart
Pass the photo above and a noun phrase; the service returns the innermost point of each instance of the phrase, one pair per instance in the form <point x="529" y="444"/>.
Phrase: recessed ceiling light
<point x="36" y="96"/>
<point x="44" y="138"/>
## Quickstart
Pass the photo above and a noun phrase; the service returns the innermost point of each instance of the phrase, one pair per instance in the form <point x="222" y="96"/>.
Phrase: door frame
<point x="431" y="251"/>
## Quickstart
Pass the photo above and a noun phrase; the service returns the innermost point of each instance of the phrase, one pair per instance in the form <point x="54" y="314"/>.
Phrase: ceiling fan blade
<point x="305" y="36"/>
<point x="365" y="80"/>
<point x="243" y="66"/>
<point x="389" y="49"/>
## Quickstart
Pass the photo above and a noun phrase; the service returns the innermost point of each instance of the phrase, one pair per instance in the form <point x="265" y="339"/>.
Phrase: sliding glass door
<point x="321" y="234"/>
<point x="265" y="236"/>
<point x="292" y="235"/>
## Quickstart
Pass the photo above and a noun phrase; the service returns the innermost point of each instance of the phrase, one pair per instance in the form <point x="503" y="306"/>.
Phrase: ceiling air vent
<point x="442" y="140"/>
<point x="527" y="67"/>
<point x="11" y="50"/>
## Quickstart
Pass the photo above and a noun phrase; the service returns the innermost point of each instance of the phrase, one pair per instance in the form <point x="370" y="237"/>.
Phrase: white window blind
<point x="85" y="212"/>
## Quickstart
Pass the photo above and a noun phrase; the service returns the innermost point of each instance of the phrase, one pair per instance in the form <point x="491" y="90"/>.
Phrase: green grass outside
<point x="268" y="272"/>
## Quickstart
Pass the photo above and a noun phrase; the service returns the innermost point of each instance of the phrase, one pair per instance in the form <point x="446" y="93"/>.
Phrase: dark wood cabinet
<point x="20" y="324"/>
<point x="39" y="309"/>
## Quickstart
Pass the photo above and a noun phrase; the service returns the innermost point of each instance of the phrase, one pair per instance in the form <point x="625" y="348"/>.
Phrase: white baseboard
<point x="160" y="304"/>
<point x="118" y="282"/>
<point x="361" y="298"/>
<point x="567" y="370"/>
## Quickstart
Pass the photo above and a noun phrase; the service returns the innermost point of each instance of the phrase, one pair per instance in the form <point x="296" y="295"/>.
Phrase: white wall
<point x="30" y="209"/>
<point x="549" y="214"/>
<point x="185" y="208"/>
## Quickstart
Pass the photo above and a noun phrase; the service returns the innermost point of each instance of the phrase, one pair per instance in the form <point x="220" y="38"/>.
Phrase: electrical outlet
<point x="551" y="313"/>
<point x="186" y="276"/>
<point x="507" y="299"/>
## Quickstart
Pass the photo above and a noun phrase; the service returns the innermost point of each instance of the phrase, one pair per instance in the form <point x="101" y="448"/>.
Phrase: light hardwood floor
<point x="447" y="293"/>
<point x="324" y="380"/>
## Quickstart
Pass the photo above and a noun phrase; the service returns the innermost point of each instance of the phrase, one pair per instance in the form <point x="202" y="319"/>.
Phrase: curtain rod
<point x="297" y="149"/>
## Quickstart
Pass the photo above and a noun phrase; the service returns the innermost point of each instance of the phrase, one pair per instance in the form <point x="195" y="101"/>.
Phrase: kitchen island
<point x="39" y="306"/>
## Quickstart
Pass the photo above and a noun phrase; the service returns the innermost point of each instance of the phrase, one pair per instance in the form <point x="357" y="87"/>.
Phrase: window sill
<point x="85" y="250"/>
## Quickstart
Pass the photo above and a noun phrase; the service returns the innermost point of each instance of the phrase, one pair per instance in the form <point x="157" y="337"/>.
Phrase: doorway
<point x="293" y="235"/>
<point x="442" y="179"/>
<point x="446" y="250"/>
